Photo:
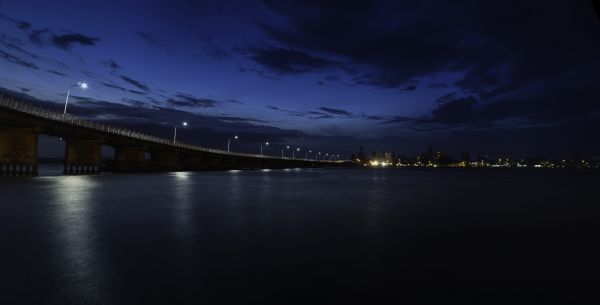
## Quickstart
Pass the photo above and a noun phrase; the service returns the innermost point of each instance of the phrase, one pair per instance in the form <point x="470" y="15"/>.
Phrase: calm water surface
<point x="301" y="236"/>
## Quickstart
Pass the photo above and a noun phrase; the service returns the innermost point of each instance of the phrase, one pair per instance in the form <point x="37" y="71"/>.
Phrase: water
<point x="301" y="236"/>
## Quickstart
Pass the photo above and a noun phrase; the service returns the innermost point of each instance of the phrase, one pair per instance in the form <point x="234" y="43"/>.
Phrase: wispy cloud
<point x="135" y="83"/>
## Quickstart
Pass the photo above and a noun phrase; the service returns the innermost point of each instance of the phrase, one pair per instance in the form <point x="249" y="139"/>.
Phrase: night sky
<point x="504" y="78"/>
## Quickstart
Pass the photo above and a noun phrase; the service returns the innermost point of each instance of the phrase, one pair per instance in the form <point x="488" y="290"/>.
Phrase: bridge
<point x="21" y="123"/>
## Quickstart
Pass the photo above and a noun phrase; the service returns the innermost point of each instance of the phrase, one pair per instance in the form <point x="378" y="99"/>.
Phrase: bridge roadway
<point x="21" y="123"/>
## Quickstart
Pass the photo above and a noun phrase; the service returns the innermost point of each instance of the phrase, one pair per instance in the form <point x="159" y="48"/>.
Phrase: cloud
<point x="135" y="83"/>
<point x="229" y="118"/>
<point x="15" y="45"/>
<point x="21" y="94"/>
<point x="189" y="101"/>
<point x="460" y="110"/>
<point x="288" y="61"/>
<point x="17" y="60"/>
<point x="543" y="110"/>
<point x="289" y="112"/>
<point x="217" y="54"/>
<point x="67" y="40"/>
<point x="315" y="115"/>
<point x="211" y="49"/>
<point x="373" y="117"/>
<point x="339" y="112"/>
<point x="206" y="130"/>
<point x="23" y="25"/>
<point x="56" y="72"/>
<point x="114" y="86"/>
<point x="327" y="113"/>
<point x="437" y="85"/>
<point x="46" y="37"/>
<point x="399" y="119"/>
<point x="446" y="98"/>
<point x="111" y="64"/>
<point x="137" y="92"/>
<point x="390" y="44"/>
<point x="152" y="40"/>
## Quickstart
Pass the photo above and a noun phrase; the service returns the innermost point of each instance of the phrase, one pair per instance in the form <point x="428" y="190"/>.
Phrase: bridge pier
<point x="130" y="159"/>
<point x="82" y="157"/>
<point x="18" y="151"/>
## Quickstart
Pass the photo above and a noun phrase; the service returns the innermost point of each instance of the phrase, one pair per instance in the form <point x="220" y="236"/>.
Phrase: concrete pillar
<point x="18" y="151"/>
<point x="82" y="157"/>
<point x="130" y="159"/>
<point x="164" y="161"/>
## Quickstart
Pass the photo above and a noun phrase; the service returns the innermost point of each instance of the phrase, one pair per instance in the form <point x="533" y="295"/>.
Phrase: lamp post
<point x="307" y="152"/>
<point x="261" y="145"/>
<point x="285" y="147"/>
<point x="175" y="131"/>
<point x="229" y="142"/>
<point x="318" y="155"/>
<point x="293" y="152"/>
<point x="82" y="85"/>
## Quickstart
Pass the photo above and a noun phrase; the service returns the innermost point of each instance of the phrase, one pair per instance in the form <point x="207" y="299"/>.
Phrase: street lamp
<point x="293" y="152"/>
<point x="285" y="147"/>
<point x="229" y="142"/>
<point x="261" y="145"/>
<point x="184" y="124"/>
<point x="82" y="85"/>
<point x="318" y="155"/>
<point x="307" y="152"/>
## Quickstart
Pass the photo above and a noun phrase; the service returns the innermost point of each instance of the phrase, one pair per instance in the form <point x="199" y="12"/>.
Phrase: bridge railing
<point x="21" y="106"/>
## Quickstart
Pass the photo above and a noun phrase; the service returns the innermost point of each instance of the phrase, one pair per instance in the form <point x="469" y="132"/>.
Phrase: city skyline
<point x="394" y="77"/>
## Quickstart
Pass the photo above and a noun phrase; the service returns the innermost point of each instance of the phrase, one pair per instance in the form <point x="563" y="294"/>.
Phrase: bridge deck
<point x="51" y="117"/>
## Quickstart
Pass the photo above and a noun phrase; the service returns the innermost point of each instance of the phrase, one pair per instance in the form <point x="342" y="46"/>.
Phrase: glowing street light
<point x="293" y="152"/>
<point x="184" y="124"/>
<point x="82" y="85"/>
<point x="229" y="142"/>
<point x="285" y="147"/>
<point x="318" y="155"/>
<point x="261" y="145"/>
<point x="307" y="152"/>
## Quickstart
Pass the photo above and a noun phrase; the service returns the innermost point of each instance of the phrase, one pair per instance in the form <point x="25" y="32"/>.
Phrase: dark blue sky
<point x="499" y="77"/>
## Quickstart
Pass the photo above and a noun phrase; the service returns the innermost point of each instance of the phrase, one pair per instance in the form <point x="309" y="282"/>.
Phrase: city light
<point x="437" y="159"/>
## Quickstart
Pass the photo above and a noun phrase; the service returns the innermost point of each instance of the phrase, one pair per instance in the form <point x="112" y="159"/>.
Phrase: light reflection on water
<point x="259" y="235"/>
<point x="73" y="210"/>
<point x="181" y="186"/>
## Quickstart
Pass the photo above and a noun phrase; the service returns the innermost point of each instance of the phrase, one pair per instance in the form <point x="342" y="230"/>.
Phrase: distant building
<point x="361" y="157"/>
<point x="466" y="158"/>
<point x="441" y="158"/>
<point x="389" y="157"/>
